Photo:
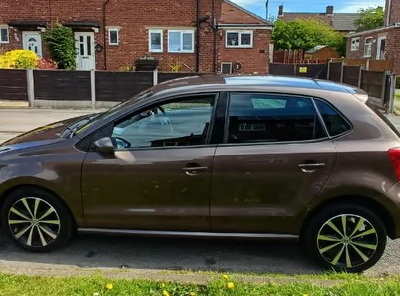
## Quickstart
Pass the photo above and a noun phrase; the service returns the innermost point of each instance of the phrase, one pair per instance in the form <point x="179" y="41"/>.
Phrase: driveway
<point x="146" y="256"/>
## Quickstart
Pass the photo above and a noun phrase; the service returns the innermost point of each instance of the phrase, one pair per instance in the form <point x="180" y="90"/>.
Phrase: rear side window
<point x="272" y="118"/>
<point x="334" y="121"/>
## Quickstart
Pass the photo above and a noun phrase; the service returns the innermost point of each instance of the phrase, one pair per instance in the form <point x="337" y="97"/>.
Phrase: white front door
<point x="32" y="41"/>
<point x="85" y="58"/>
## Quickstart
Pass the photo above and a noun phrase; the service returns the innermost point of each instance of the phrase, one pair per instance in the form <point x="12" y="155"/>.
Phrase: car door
<point x="158" y="177"/>
<point x="275" y="159"/>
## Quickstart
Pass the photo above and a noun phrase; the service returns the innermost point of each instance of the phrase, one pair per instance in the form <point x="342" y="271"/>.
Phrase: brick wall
<point x="134" y="18"/>
<point x="394" y="12"/>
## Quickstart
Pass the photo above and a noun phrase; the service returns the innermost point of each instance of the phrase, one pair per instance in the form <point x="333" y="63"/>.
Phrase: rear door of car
<point x="276" y="157"/>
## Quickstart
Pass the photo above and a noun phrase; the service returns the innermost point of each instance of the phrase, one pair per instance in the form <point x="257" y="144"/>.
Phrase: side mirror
<point x="104" y="145"/>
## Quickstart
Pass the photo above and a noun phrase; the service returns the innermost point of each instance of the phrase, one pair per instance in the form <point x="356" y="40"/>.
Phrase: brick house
<point x="381" y="43"/>
<point x="341" y="22"/>
<point x="199" y="35"/>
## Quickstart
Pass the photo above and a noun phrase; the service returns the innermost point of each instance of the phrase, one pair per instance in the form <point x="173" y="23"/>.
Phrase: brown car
<point x="213" y="155"/>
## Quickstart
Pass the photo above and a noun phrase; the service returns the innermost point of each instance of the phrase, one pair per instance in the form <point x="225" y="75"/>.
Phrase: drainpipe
<point x="198" y="37"/>
<point x="104" y="34"/>
<point x="215" y="31"/>
<point x="388" y="9"/>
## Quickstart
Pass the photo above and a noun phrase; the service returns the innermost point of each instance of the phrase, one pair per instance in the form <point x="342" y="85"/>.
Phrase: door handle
<point x="310" y="167"/>
<point x="192" y="171"/>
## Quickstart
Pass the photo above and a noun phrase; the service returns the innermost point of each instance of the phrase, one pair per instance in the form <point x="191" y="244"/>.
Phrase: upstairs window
<point x="4" y="36"/>
<point x="241" y="39"/>
<point x="181" y="41"/>
<point x="355" y="44"/>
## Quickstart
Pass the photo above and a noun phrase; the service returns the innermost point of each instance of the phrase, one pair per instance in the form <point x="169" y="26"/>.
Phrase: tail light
<point x="394" y="155"/>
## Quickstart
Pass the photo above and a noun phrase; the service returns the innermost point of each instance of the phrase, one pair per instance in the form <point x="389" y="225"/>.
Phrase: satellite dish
<point x="237" y="66"/>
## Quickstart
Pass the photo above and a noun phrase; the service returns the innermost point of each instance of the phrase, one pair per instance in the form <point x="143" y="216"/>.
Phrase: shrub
<point x="47" y="64"/>
<point x="19" y="59"/>
<point x="61" y="43"/>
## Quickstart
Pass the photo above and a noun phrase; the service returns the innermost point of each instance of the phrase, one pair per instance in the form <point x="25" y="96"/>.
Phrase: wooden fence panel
<point x="62" y="85"/>
<point x="335" y="72"/>
<point x="282" y="69"/>
<point x="13" y="85"/>
<point x="351" y="75"/>
<point x="120" y="86"/>
<point x="373" y="82"/>
<point x="162" y="77"/>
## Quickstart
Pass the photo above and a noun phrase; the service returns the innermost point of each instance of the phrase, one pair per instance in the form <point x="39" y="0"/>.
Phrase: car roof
<point x="229" y="82"/>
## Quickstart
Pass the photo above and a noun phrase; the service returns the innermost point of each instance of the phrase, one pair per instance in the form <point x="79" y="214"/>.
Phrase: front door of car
<point x="275" y="160"/>
<point x="158" y="178"/>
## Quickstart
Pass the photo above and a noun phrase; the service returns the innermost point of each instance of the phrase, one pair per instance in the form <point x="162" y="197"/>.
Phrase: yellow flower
<point x="304" y="295"/>
<point x="165" y="293"/>
<point x="109" y="286"/>
<point x="192" y="294"/>
<point x="231" y="285"/>
<point x="162" y="285"/>
<point x="225" y="277"/>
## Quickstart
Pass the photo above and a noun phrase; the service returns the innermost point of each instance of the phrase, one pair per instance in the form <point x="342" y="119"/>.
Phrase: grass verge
<point x="11" y="285"/>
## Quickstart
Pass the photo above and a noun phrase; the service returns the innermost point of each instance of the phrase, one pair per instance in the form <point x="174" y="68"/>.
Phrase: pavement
<point x="161" y="257"/>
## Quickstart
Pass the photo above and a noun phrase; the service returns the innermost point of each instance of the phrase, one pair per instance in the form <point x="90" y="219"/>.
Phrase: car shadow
<point x="165" y="253"/>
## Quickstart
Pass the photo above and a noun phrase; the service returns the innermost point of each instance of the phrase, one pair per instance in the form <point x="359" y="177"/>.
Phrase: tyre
<point x="36" y="220"/>
<point x="345" y="237"/>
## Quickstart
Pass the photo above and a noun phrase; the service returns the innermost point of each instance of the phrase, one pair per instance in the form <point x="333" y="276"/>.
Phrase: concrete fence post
<point x="392" y="93"/>
<point x="155" y="77"/>
<point x="93" y="88"/>
<point x="360" y="71"/>
<point x="328" y="74"/>
<point x="342" y="72"/>
<point x="30" y="84"/>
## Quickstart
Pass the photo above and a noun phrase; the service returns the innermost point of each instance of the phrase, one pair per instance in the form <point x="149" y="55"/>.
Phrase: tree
<point x="61" y="43"/>
<point x="305" y="34"/>
<point x="370" y="18"/>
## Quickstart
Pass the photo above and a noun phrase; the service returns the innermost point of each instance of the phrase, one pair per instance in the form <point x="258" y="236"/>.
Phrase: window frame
<point x="369" y="45"/>
<point x="8" y="35"/>
<point x="240" y="32"/>
<point x="113" y="29"/>
<point x="181" y="32"/>
<point x="156" y="31"/>
<point x="354" y="48"/>
<point x="167" y="100"/>
<point x="322" y="122"/>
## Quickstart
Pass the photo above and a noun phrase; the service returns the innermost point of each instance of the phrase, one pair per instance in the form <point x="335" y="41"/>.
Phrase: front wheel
<point x="36" y="220"/>
<point x="344" y="237"/>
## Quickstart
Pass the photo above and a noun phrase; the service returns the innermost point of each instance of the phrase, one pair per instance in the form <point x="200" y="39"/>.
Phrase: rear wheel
<point x="344" y="237"/>
<point x="36" y="220"/>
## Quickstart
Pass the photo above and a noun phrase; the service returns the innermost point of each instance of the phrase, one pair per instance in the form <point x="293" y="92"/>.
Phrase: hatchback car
<point x="249" y="156"/>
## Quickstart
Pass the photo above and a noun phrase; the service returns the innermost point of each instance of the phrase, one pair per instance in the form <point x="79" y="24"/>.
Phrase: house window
<point x="181" y="41"/>
<point x="242" y="39"/>
<point x="113" y="36"/>
<point x="355" y="44"/>
<point x="155" y="41"/>
<point x="4" y="37"/>
<point x="368" y="47"/>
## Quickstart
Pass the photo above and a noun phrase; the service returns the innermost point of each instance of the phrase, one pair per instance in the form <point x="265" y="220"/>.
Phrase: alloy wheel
<point x="34" y="222"/>
<point x="347" y="241"/>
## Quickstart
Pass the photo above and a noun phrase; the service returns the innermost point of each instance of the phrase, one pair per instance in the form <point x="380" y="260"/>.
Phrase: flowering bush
<point x="19" y="59"/>
<point x="47" y="64"/>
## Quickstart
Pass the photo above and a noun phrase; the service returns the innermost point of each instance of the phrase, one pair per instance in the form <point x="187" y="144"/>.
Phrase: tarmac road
<point x="149" y="254"/>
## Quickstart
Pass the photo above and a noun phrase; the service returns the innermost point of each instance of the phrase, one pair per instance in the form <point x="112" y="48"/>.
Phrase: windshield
<point x="80" y="127"/>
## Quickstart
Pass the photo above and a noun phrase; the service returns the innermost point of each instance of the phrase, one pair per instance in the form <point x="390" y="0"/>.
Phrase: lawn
<point x="226" y="285"/>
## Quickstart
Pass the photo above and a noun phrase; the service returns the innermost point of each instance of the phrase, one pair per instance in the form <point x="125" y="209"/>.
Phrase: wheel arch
<point x="10" y="190"/>
<point x="377" y="208"/>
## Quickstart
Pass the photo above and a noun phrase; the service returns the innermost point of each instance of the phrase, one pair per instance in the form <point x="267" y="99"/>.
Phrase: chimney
<point x="329" y="10"/>
<point x="280" y="10"/>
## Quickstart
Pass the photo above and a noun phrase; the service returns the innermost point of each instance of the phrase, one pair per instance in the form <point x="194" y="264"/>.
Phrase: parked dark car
<point x="218" y="156"/>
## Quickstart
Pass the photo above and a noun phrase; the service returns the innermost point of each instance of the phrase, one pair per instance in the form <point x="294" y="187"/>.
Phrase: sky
<point x="258" y="6"/>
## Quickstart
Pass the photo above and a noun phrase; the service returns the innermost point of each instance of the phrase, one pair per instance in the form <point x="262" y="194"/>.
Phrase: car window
<point x="182" y="122"/>
<point x="334" y="122"/>
<point x="272" y="118"/>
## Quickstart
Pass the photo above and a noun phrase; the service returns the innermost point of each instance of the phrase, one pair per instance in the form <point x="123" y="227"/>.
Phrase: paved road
<point x="144" y="253"/>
